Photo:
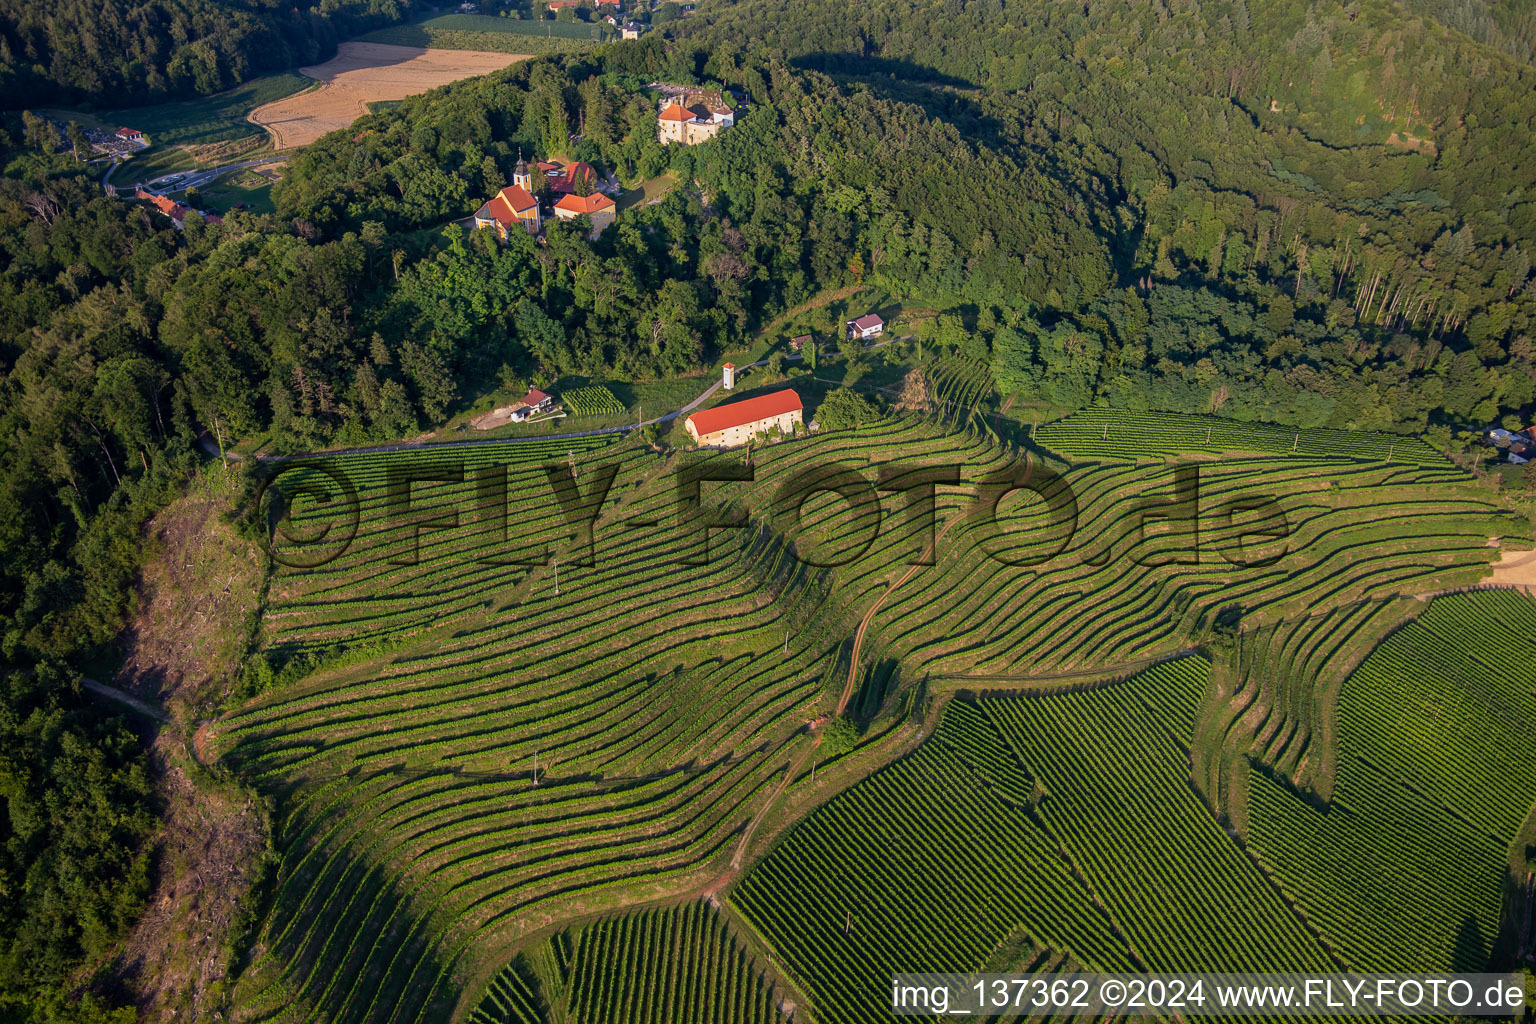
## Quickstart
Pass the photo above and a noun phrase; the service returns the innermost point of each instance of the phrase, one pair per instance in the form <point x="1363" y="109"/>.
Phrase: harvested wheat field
<point x="363" y="73"/>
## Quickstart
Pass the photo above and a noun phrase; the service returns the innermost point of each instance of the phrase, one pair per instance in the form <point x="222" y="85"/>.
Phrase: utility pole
<point x="535" y="767"/>
<point x="557" y="594"/>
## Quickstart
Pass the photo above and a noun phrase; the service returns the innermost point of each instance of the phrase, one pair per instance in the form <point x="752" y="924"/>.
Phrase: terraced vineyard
<point x="959" y="385"/>
<point x="1117" y="434"/>
<point x="649" y="967"/>
<point x="527" y="697"/>
<point x="1068" y="817"/>
<point x="1405" y="866"/>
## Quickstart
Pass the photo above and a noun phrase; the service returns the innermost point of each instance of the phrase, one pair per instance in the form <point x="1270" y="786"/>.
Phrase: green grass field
<point x="526" y="746"/>
<point x="240" y="186"/>
<point x="501" y="35"/>
<point x="646" y="192"/>
<point x="217" y="118"/>
<point x="214" y="125"/>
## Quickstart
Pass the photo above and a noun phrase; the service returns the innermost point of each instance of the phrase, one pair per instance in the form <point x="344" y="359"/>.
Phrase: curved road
<point x="405" y="446"/>
<point x="194" y="178"/>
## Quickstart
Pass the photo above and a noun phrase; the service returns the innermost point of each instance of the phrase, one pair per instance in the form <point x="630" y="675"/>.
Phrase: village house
<point x="631" y="30"/>
<point x="597" y="206"/>
<point x="567" y="179"/>
<point x="867" y="326"/>
<point x="533" y="403"/>
<point x="513" y="205"/>
<point x="739" y="422"/>
<point x="695" y="116"/>
<point x="132" y="136"/>
<point x="172" y="209"/>
<point x="798" y="344"/>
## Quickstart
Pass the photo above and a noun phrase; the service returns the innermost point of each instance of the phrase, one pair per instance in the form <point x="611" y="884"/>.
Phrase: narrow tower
<point x="728" y="381"/>
<point x="520" y="175"/>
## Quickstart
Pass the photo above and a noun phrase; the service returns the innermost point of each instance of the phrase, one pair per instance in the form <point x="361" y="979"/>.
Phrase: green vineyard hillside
<point x="1057" y="815"/>
<point x="648" y="967"/>
<point x="534" y="687"/>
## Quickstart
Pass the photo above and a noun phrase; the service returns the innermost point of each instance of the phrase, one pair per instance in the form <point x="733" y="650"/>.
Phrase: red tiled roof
<point x="579" y="205"/>
<point x="498" y="210"/>
<point x="517" y="198"/>
<point x="675" y="112"/>
<point x="565" y="181"/>
<point x="164" y="204"/>
<point x="534" y="397"/>
<point x="724" y="417"/>
<point x="867" y="321"/>
<point x="505" y="207"/>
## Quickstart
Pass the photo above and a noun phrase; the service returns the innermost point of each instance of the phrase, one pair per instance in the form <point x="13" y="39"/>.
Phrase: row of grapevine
<point x="1404" y="868"/>
<point x="649" y="967"/>
<point x="517" y="752"/>
<point x="925" y="866"/>
<point x="651" y="692"/>
<point x="1117" y="434"/>
<point x="592" y="400"/>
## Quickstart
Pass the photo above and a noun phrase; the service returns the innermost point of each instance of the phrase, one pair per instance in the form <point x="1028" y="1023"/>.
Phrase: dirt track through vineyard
<point x="362" y="73"/>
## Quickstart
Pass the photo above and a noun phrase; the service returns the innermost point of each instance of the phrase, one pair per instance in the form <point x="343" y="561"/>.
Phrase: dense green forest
<point x="1340" y="195"/>
<point x="1313" y="215"/>
<point x="108" y="51"/>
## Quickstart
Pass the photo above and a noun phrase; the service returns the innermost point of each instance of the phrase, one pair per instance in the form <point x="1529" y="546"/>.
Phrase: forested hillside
<point x="1343" y="192"/>
<point x="108" y="51"/>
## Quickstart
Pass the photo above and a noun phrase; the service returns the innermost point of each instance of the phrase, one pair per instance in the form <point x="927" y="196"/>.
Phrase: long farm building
<point x="739" y="422"/>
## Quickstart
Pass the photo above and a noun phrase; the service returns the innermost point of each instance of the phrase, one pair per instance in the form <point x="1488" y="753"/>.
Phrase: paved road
<point x="193" y="179"/>
<point x="404" y="446"/>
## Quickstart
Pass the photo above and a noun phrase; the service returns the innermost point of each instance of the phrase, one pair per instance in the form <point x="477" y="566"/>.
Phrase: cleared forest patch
<point x="362" y="73"/>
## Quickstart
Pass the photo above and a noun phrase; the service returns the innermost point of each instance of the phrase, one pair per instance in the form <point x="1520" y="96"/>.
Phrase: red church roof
<point x="508" y="204"/>
<point x="675" y="112"/>
<point x="517" y="198"/>
<point x="724" y="417"/>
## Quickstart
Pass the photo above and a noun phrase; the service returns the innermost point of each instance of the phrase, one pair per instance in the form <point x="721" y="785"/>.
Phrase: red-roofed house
<point x="867" y="326"/>
<point x="535" y="401"/>
<point x="165" y="205"/>
<point x="597" y="206"/>
<point x="739" y="422"/>
<point x="133" y="136"/>
<point x="562" y="180"/>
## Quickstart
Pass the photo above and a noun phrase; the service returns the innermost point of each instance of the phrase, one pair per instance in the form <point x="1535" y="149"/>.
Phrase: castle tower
<point x="728" y="380"/>
<point x="520" y="175"/>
